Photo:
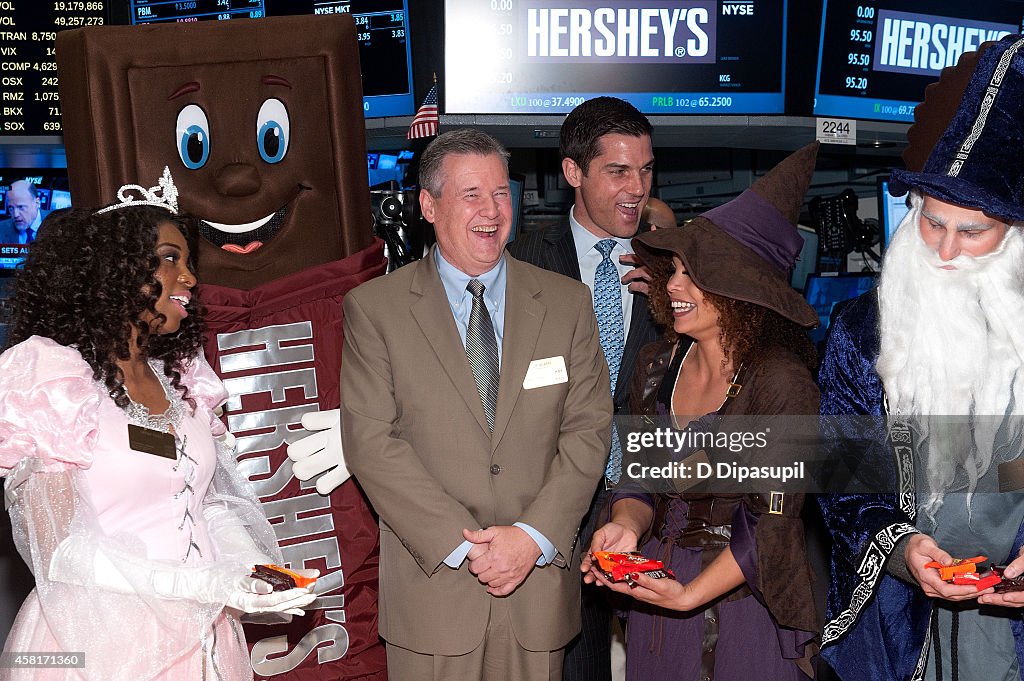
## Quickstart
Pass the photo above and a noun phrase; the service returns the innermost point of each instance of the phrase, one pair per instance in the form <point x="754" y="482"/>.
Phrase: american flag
<point x="425" y="123"/>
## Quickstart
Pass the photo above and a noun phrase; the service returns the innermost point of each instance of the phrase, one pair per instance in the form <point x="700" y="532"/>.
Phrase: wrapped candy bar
<point x="619" y="567"/>
<point x="281" y="578"/>
<point x="1007" y="584"/>
<point x="960" y="566"/>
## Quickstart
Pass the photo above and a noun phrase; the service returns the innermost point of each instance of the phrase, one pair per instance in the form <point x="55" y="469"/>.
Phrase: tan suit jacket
<point x="416" y="438"/>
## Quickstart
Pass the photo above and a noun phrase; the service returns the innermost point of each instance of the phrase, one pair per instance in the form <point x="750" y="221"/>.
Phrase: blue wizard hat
<point x="979" y="161"/>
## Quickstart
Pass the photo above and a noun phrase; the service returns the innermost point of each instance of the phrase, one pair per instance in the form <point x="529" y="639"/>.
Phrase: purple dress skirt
<point x="664" y="644"/>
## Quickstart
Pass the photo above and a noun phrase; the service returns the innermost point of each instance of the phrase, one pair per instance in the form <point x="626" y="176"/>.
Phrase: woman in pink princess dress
<point x="139" y="531"/>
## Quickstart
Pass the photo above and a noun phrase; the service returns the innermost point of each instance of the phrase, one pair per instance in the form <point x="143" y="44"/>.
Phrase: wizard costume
<point x="880" y="625"/>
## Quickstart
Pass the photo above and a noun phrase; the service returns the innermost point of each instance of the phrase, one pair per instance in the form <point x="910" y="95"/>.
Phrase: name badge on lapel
<point x="542" y="372"/>
<point x="151" y="441"/>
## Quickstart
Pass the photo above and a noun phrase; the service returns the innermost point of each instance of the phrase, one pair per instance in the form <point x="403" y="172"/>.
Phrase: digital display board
<point x="382" y="28"/>
<point x="663" y="56"/>
<point x="876" y="57"/>
<point x="27" y="196"/>
<point x="29" y="104"/>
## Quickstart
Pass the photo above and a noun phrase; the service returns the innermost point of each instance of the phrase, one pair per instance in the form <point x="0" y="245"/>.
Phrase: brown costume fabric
<point x="122" y="88"/>
<point x="787" y="183"/>
<point x="933" y="115"/>
<point x="783" y="571"/>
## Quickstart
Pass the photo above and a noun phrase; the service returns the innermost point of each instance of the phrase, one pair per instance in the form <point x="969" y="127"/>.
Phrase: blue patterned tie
<point x="608" y="308"/>
<point x="482" y="351"/>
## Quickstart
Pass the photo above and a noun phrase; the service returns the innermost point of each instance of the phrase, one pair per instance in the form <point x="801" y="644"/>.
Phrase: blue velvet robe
<point x="876" y="625"/>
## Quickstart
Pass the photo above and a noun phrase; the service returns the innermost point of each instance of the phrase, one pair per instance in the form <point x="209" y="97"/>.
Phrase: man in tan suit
<point x="510" y="435"/>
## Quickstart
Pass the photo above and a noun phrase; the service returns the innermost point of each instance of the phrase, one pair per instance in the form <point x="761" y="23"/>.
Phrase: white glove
<point x="321" y="451"/>
<point x="252" y="595"/>
<point x="215" y="584"/>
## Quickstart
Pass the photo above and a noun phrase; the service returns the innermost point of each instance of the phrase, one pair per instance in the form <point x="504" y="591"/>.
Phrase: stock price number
<point x="77" y="6"/>
<point x="858" y="59"/>
<point x="567" y="101"/>
<point x="73" y="22"/>
<point x="864" y="12"/>
<point x="714" y="102"/>
<point x="858" y="35"/>
<point x="856" y="83"/>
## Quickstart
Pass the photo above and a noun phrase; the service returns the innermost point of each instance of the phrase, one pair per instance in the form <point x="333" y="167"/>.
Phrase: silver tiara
<point x="164" y="195"/>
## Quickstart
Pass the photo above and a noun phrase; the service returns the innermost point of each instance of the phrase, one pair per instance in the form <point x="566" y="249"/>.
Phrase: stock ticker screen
<point x="663" y="56"/>
<point x="29" y="100"/>
<point x="29" y="103"/>
<point x="876" y="57"/>
<point x="382" y="28"/>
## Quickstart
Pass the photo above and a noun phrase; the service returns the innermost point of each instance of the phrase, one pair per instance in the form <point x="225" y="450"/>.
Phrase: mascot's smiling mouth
<point x="249" y="236"/>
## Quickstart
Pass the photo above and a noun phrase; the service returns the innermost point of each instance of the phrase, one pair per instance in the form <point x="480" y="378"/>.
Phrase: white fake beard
<point x="952" y="344"/>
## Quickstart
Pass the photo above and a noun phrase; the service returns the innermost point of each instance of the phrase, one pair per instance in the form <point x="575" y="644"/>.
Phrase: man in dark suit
<point x="474" y="397"/>
<point x="608" y="158"/>
<point x="22" y="201"/>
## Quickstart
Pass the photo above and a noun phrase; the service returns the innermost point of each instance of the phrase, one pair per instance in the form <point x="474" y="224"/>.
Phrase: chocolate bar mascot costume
<point x="261" y="123"/>
<point x="935" y="356"/>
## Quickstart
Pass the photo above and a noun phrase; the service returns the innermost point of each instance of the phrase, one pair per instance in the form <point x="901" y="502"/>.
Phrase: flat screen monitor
<point x="36" y="194"/>
<point x="389" y="168"/>
<point x="891" y="210"/>
<point x="664" y="57"/>
<point x="382" y="28"/>
<point x="807" y="261"/>
<point x="826" y="291"/>
<point x="876" y="58"/>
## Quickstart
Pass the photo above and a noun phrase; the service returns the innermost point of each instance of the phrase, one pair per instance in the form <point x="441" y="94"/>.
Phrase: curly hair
<point x="86" y="282"/>
<point x="746" y="330"/>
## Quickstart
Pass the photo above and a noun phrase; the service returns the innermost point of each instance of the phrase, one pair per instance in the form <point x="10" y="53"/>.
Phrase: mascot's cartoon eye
<point x="272" y="130"/>
<point x="193" y="132"/>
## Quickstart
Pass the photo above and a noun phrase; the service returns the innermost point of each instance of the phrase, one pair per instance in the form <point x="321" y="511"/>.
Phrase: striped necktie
<point x="482" y="351"/>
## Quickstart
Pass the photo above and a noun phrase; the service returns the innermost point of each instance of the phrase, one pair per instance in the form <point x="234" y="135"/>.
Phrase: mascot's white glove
<point x="321" y="451"/>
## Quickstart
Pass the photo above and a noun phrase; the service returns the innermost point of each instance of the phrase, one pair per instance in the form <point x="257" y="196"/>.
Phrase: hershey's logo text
<point x="677" y="32"/>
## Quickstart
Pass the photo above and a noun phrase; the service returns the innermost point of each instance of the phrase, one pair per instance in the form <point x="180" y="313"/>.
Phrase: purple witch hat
<point x="746" y="249"/>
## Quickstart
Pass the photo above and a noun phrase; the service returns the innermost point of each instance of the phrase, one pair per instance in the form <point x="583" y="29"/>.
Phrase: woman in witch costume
<point x="740" y="606"/>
